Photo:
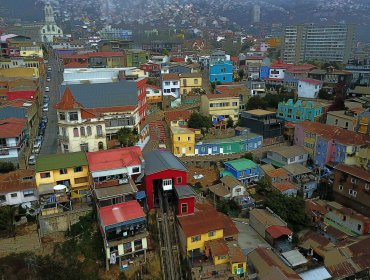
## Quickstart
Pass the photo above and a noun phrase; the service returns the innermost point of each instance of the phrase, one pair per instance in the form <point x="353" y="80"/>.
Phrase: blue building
<point x="264" y="72"/>
<point x="299" y="111"/>
<point x="244" y="170"/>
<point x="237" y="144"/>
<point x="221" y="71"/>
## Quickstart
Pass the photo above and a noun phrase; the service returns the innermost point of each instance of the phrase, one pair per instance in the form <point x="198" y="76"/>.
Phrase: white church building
<point x="50" y="29"/>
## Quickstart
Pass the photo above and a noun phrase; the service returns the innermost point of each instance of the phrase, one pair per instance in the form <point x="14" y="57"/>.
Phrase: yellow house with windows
<point x="224" y="104"/>
<point x="190" y="82"/>
<point x="183" y="141"/>
<point x="69" y="169"/>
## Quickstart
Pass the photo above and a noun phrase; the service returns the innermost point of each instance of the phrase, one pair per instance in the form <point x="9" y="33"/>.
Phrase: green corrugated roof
<point x="59" y="161"/>
<point x="242" y="164"/>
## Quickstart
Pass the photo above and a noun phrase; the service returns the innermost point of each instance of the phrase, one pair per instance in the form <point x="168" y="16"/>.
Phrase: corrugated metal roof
<point x="319" y="273"/>
<point x="184" y="191"/>
<point x="12" y="112"/>
<point x="121" y="93"/>
<point x="157" y="161"/>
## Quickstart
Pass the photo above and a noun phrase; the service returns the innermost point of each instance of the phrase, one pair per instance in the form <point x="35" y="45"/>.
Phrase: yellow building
<point x="224" y="104"/>
<point x="183" y="141"/>
<point x="309" y="142"/>
<point x="31" y="51"/>
<point x="363" y="125"/>
<point x="23" y="72"/>
<point x="190" y="82"/>
<point x="70" y="170"/>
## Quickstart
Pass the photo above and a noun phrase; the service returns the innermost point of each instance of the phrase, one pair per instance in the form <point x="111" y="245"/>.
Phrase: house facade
<point x="244" y="170"/>
<point x="303" y="178"/>
<point x="309" y="88"/>
<point x="281" y="156"/>
<point x="224" y="105"/>
<point x="183" y="141"/>
<point x="299" y="111"/>
<point x="171" y="85"/>
<point x="17" y="187"/>
<point x="190" y="82"/>
<point x="221" y="71"/>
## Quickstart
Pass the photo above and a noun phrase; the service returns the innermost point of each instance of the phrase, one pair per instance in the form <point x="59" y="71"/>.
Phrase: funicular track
<point x="168" y="240"/>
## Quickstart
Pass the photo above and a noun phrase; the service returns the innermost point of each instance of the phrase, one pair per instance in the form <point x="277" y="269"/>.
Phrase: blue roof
<point x="140" y="195"/>
<point x="13" y="112"/>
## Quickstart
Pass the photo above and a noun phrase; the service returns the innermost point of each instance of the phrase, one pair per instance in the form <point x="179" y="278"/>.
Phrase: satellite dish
<point x="59" y="187"/>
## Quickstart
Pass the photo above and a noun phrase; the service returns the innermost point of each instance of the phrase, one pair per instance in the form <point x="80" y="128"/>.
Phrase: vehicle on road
<point x="47" y="89"/>
<point x="49" y="69"/>
<point x="38" y="141"/>
<point x="48" y="79"/>
<point x="44" y="119"/>
<point x="45" y="108"/>
<point x="42" y="132"/>
<point x="32" y="160"/>
<point x="46" y="98"/>
<point x="36" y="150"/>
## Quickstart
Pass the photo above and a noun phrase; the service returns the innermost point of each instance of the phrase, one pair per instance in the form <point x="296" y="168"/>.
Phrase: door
<point x="183" y="150"/>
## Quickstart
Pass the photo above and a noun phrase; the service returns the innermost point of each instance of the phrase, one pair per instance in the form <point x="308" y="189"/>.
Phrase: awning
<point x="45" y="188"/>
<point x="140" y="195"/>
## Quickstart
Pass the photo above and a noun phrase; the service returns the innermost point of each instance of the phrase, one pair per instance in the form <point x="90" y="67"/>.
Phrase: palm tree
<point x="7" y="219"/>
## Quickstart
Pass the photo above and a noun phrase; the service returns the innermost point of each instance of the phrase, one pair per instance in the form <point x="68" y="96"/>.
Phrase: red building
<point x="163" y="173"/>
<point x="185" y="200"/>
<point x="151" y="68"/>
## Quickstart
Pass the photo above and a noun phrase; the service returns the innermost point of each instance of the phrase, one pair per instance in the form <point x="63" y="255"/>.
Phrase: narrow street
<point x="50" y="143"/>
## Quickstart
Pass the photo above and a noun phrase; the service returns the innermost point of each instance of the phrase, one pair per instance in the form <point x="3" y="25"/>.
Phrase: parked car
<point x="48" y="79"/>
<point x="49" y="69"/>
<point x="42" y="132"/>
<point x="36" y="150"/>
<point x="32" y="160"/>
<point x="46" y="98"/>
<point x="44" y="119"/>
<point x="38" y="141"/>
<point x="42" y="125"/>
<point x="45" y="108"/>
<point x="47" y="89"/>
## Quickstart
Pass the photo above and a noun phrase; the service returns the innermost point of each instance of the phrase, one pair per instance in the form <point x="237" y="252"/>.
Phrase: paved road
<point x="50" y="144"/>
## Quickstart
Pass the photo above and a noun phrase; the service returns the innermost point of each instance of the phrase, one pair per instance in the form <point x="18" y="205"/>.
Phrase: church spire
<point x="49" y="14"/>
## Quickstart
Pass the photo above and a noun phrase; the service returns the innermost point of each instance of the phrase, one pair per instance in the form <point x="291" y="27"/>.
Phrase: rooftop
<point x="230" y="140"/>
<point x="241" y="164"/>
<point x="222" y="95"/>
<point x="181" y="130"/>
<point x="354" y="171"/>
<point x="311" y="81"/>
<point x="114" y="159"/>
<point x="177" y="115"/>
<point x="218" y="247"/>
<point x="184" y="191"/>
<point x="119" y="190"/>
<point x="121" y="212"/>
<point x="284" y="186"/>
<point x="266" y="218"/>
<point x="206" y="219"/>
<point x="157" y="161"/>
<point x="296" y="169"/>
<point x="170" y="77"/>
<point x="278" y="231"/>
<point x="259" y="112"/>
<point x="277" y="173"/>
<point x="18" y="180"/>
<point x="230" y="181"/>
<point x="11" y="127"/>
<point x="288" y="151"/>
<point x="60" y="161"/>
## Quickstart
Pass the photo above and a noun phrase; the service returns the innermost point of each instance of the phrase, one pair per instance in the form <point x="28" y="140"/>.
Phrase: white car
<point x="32" y="160"/>
<point x="49" y="68"/>
<point x="45" y="108"/>
<point x="48" y="79"/>
<point x="47" y="89"/>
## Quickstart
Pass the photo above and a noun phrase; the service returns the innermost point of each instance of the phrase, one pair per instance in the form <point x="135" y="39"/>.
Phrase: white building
<point x="50" y="29"/>
<point x="17" y="187"/>
<point x="12" y="139"/>
<point x="171" y="85"/>
<point x="309" y="88"/>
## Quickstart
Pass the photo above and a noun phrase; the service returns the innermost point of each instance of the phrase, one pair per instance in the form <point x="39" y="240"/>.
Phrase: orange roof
<point x="284" y="186"/>
<point x="278" y="173"/>
<point x="13" y="181"/>
<point x="354" y="171"/>
<point x="85" y="114"/>
<point x="206" y="219"/>
<point x="232" y="89"/>
<point x="11" y="127"/>
<point x="67" y="102"/>
<point x="170" y="77"/>
<point x="222" y="95"/>
<point x="218" y="247"/>
<point x="177" y="115"/>
<point x="278" y="231"/>
<point x="338" y="134"/>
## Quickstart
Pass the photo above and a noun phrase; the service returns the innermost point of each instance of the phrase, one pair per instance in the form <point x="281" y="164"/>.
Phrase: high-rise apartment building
<point x="309" y="42"/>
<point x="256" y="14"/>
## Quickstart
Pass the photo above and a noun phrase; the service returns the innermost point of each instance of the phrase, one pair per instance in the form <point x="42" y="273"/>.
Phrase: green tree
<point x="230" y="122"/>
<point x="248" y="155"/>
<point x="127" y="137"/>
<point x="256" y="102"/>
<point x="263" y="186"/>
<point x="7" y="219"/>
<point x="153" y="82"/>
<point x="241" y="74"/>
<point x="198" y="121"/>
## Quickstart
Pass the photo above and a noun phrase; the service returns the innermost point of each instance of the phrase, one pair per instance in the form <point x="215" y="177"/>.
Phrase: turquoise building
<point x="244" y="170"/>
<point x="299" y="111"/>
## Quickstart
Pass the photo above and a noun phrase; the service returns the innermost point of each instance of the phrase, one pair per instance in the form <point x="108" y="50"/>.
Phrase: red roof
<point x="75" y="64"/>
<point x="178" y="59"/>
<point x="284" y="186"/>
<point x="86" y="114"/>
<point x="68" y="102"/>
<point x="11" y="127"/>
<point x="311" y="81"/>
<point x="177" y="115"/>
<point x="114" y="159"/>
<point x="280" y="65"/>
<point x="121" y="212"/>
<point x="278" y="231"/>
<point x="234" y="58"/>
<point x="15" y="181"/>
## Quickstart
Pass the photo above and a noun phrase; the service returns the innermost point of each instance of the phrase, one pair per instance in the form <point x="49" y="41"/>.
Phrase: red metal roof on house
<point x="11" y="127"/>
<point x="278" y="231"/>
<point x="121" y="212"/>
<point x="14" y="181"/>
<point x="75" y="64"/>
<point x="105" y="54"/>
<point x="354" y="171"/>
<point x="114" y="159"/>
<point x="177" y="115"/>
<point x="222" y="95"/>
<point x="311" y="81"/>
<point x="67" y="102"/>
<point x="178" y="59"/>
<point x="284" y="186"/>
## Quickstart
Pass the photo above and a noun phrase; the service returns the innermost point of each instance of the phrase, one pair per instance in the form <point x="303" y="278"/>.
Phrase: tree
<point x="153" y="82"/>
<point x="241" y="74"/>
<point x="127" y="137"/>
<point x="189" y="61"/>
<point x="337" y="104"/>
<point x="323" y="94"/>
<point x="230" y="122"/>
<point x="6" y="167"/>
<point x="248" y="155"/>
<point x="263" y="186"/>
<point x="7" y="219"/>
<point x="256" y="102"/>
<point x="198" y="121"/>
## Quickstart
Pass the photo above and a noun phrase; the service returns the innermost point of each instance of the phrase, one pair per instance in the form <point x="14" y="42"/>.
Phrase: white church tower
<point x="50" y="29"/>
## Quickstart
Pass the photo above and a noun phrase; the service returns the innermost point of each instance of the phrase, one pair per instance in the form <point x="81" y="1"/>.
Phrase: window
<point x="359" y="227"/>
<point x="214" y="149"/>
<point x="223" y="70"/>
<point x="13" y="195"/>
<point x="367" y="186"/>
<point x="175" y="83"/>
<point x="221" y="257"/>
<point x="65" y="148"/>
<point x="167" y="182"/>
<point x="195" y="238"/>
<point x="88" y="130"/>
<point x="354" y="180"/>
<point x="75" y="132"/>
<point x="235" y="104"/>
<point x="62" y="116"/>
<point x="178" y="138"/>
<point x="189" y="149"/>
<point x="63" y="171"/>
<point x="82" y="131"/>
<point x="340" y="187"/>
<point x="28" y="193"/>
<point x="73" y="116"/>
<point x="346" y="125"/>
<point x="2" y="198"/>
<point x="238" y="190"/>
<point x="195" y="81"/>
<point x="167" y="83"/>
<point x="136" y="170"/>
<point x="84" y="147"/>
<point x="292" y="159"/>
<point x="179" y="180"/>
<point x="184" y="208"/>
<point x="211" y="233"/>
<point x="77" y="169"/>
<point x="81" y="180"/>
<point x="301" y="157"/>
<point x="45" y="175"/>
<point x="99" y="130"/>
